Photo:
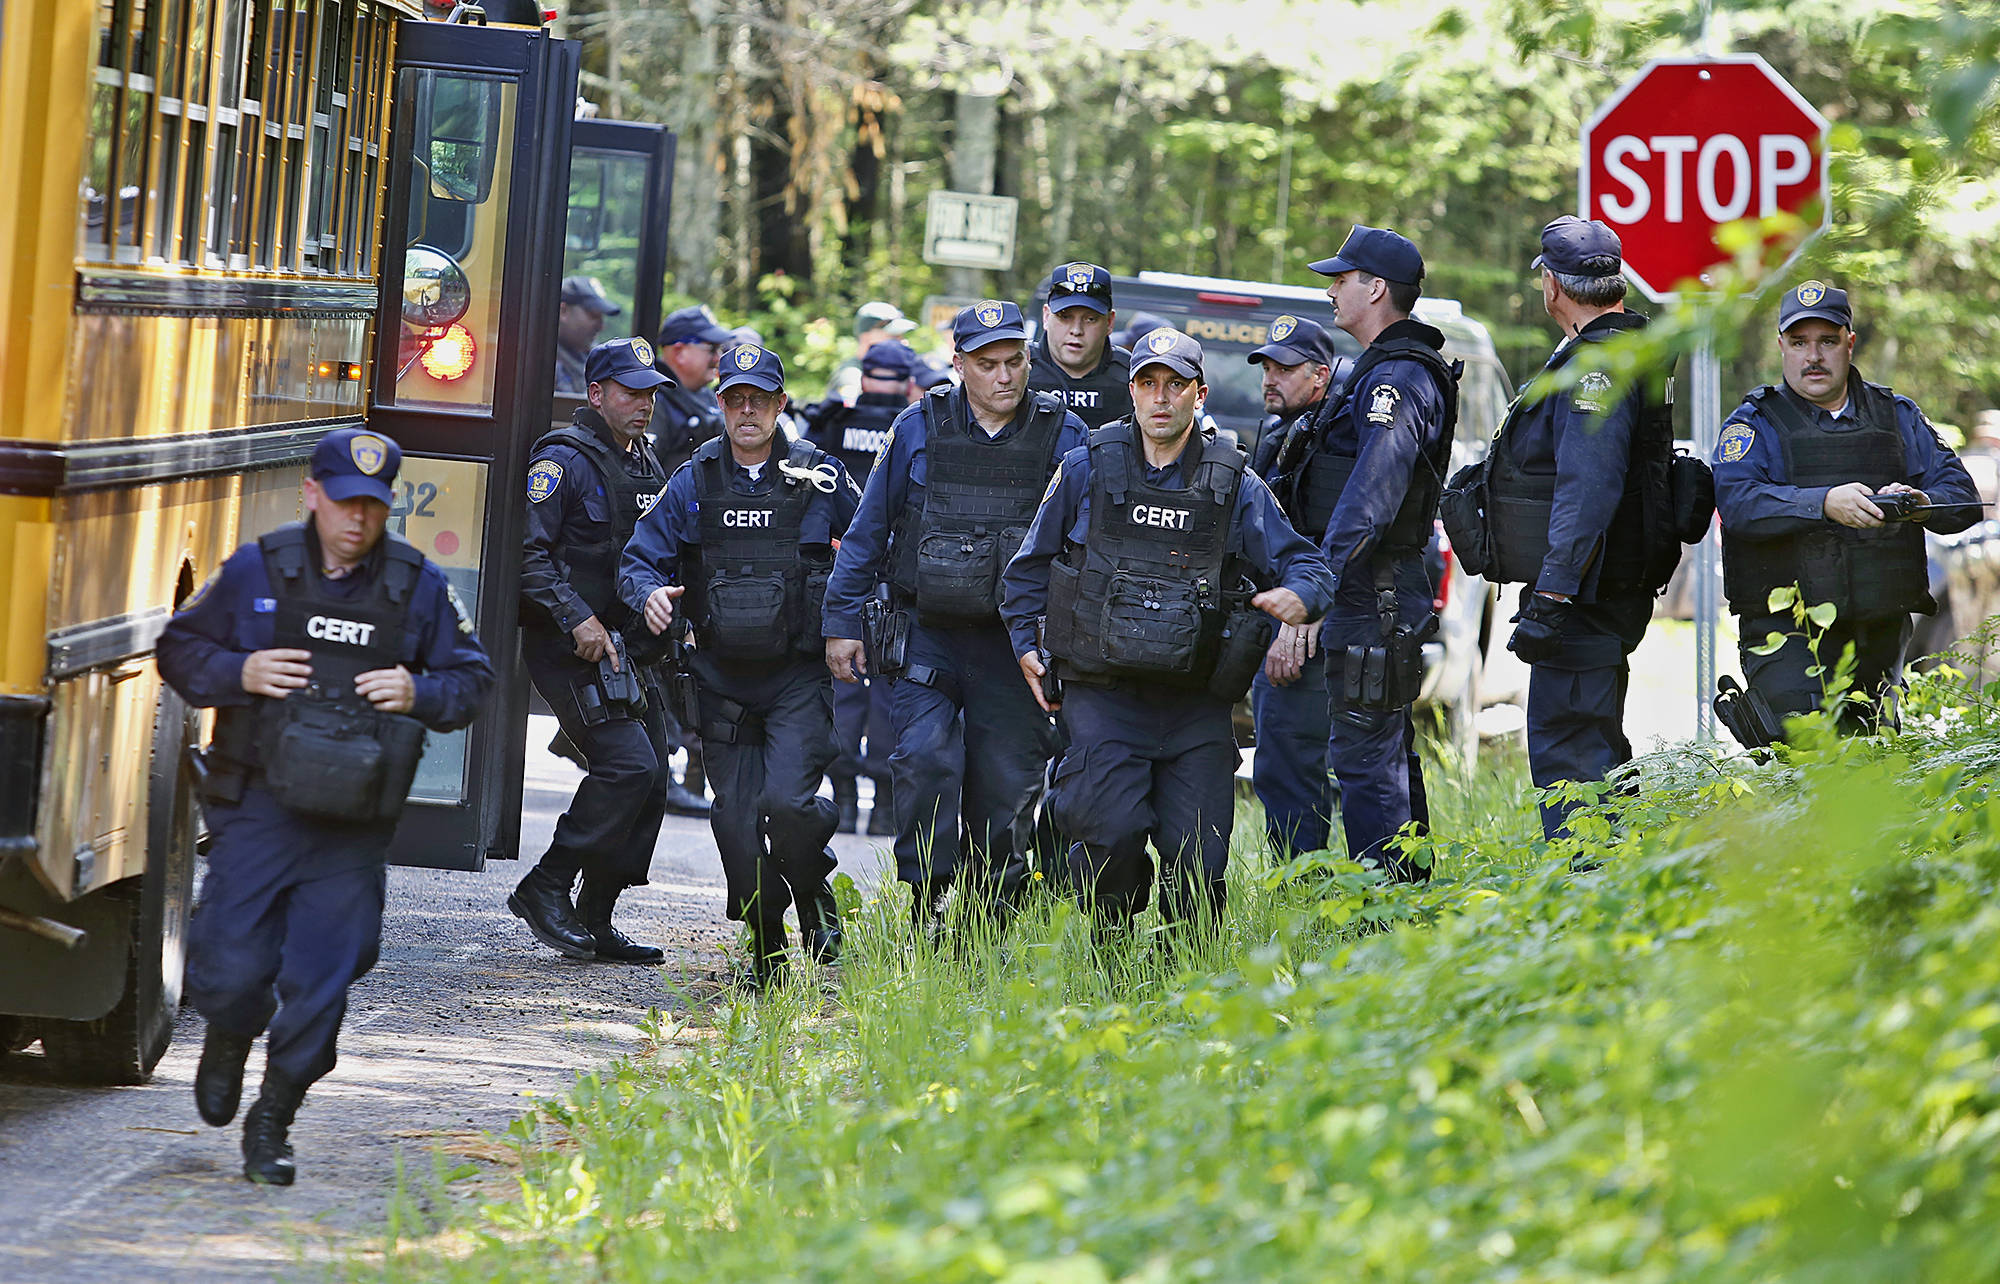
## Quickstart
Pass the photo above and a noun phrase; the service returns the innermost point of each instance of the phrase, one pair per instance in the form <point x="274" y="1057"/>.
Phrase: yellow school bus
<point x="230" y="227"/>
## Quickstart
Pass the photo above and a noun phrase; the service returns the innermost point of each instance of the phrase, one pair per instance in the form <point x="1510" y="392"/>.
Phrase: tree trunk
<point x="975" y="146"/>
<point x="697" y="214"/>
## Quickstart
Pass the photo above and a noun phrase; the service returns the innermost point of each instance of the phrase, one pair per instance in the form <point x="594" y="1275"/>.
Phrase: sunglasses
<point x="1094" y="291"/>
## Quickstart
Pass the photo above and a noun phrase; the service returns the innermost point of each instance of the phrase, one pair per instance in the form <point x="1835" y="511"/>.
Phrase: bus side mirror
<point x="458" y="128"/>
<point x="585" y="228"/>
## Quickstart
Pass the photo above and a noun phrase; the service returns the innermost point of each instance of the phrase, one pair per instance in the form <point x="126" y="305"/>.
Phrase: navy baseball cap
<point x="1815" y="299"/>
<point x="1574" y="247"/>
<point x="748" y="363"/>
<point x="623" y="361"/>
<point x="589" y="291"/>
<point x="1080" y="285"/>
<point x="987" y="321"/>
<point x="929" y="376"/>
<point x="350" y="462"/>
<point x="1295" y="341"/>
<point x="694" y="325"/>
<point x="1378" y="252"/>
<point x="1167" y="347"/>
<point x="889" y="359"/>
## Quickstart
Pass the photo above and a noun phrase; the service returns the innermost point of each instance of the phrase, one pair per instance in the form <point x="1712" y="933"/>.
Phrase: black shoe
<point x="819" y="926"/>
<point x="682" y="801"/>
<point x="882" y="812"/>
<point x="563" y="747"/>
<point x="927" y="909"/>
<point x="543" y="904"/>
<point x="267" y="1147"/>
<point x="768" y="961"/>
<point x="847" y="797"/>
<point x="613" y="946"/>
<point x="218" y="1080"/>
<point x="763" y="975"/>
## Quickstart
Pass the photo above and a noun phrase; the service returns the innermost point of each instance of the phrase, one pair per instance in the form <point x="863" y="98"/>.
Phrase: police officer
<point x="1371" y="479"/>
<point x="947" y="504"/>
<point x="1795" y="467"/>
<point x="1294" y="716"/>
<point x="855" y="435"/>
<point x="874" y="322"/>
<point x="1075" y="360"/>
<point x="746" y="531"/>
<point x="587" y="485"/>
<point x="1149" y="560"/>
<point x="584" y="308"/>
<point x="319" y="629"/>
<point x="1581" y="517"/>
<point x="685" y="411"/>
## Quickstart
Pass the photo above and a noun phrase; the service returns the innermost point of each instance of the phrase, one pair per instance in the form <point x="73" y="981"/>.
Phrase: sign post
<point x="1684" y="149"/>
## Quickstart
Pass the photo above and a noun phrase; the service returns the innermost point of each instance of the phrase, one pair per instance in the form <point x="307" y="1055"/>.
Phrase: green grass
<point x="1759" y="1044"/>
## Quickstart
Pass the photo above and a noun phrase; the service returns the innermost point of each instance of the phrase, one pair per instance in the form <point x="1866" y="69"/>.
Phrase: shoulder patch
<point x="543" y="479"/>
<point x="1590" y="391"/>
<point x="458" y="608"/>
<point x="1055" y="482"/>
<point x="1736" y="441"/>
<point x="1382" y="402"/>
<point x="195" y="598"/>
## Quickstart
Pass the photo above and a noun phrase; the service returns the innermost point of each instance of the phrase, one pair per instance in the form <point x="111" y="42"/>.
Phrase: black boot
<point x="696" y="774"/>
<point x="882" y="812"/>
<point x="218" y="1080"/>
<point x="613" y="946"/>
<point x="267" y="1147"/>
<point x="766" y="970"/>
<point x="563" y="747"/>
<point x="542" y="902"/>
<point x="927" y="908"/>
<point x="819" y="925"/>
<point x="847" y="797"/>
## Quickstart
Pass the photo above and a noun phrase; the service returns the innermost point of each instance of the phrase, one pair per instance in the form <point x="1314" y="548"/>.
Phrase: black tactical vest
<point x="1314" y="489"/>
<point x="752" y="595"/>
<point x="593" y="568"/>
<point x="979" y="496"/>
<point x="1867" y="574"/>
<point x="1103" y="395"/>
<point x="1641" y="547"/>
<point x="856" y="434"/>
<point x="1147" y="594"/>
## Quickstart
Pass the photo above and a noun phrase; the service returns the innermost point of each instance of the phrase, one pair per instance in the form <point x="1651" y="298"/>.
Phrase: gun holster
<point x="727" y="722"/>
<point x="612" y="692"/>
<point x="1747" y="714"/>
<point x="885" y="638"/>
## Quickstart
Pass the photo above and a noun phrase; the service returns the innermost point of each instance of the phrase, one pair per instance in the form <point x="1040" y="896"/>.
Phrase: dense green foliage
<point x="1762" y="1042"/>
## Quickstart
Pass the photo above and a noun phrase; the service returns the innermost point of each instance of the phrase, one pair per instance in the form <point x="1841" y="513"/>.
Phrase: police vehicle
<point x="267" y="221"/>
<point x="1468" y="666"/>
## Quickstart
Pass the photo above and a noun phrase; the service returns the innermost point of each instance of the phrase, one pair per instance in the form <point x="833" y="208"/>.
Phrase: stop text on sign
<point x="1725" y="177"/>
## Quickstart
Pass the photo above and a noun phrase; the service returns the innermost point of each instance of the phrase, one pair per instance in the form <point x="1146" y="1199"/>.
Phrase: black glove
<point x="1538" y="629"/>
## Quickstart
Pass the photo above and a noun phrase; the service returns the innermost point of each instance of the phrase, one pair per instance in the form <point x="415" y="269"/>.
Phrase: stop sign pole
<point x="1683" y="149"/>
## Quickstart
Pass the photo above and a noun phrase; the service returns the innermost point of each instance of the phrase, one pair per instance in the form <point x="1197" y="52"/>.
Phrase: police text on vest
<point x="1173" y="519"/>
<point x="746" y="517"/>
<point x="345" y="632"/>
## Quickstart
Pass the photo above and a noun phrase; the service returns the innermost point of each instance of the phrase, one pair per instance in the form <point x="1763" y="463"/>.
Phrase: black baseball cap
<point x="589" y="291"/>
<point x="623" y="361"/>
<point x="1575" y="247"/>
<point x="1168" y="347"/>
<point x="1814" y="299"/>
<point x="1295" y="341"/>
<point x="987" y="321"/>
<point x="694" y="325"/>
<point x="350" y="462"/>
<point x="748" y="363"/>
<point x="889" y="359"/>
<point x="1080" y="285"/>
<point x="1378" y="252"/>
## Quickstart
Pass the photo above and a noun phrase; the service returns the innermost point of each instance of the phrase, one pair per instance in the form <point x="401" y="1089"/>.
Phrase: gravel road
<point x="463" y="1022"/>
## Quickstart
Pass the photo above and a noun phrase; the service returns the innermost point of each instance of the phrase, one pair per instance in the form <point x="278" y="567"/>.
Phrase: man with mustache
<point x="1795" y="469"/>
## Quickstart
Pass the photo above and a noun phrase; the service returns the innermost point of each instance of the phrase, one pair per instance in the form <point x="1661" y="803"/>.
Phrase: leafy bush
<point x="1759" y="1043"/>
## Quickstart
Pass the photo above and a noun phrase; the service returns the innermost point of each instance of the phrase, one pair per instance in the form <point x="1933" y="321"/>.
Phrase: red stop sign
<point x="1691" y="144"/>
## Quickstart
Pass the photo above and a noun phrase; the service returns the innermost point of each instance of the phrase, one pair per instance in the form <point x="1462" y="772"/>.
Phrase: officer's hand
<point x="1538" y="629"/>
<point x="276" y="673"/>
<point x="390" y="690"/>
<point x="660" y="606"/>
<point x="1901" y="488"/>
<point x="1032" y="669"/>
<point x="844" y="658"/>
<point x="593" y="642"/>
<point x="1849" y="506"/>
<point x="1282" y="605"/>
<point x="1289" y="652"/>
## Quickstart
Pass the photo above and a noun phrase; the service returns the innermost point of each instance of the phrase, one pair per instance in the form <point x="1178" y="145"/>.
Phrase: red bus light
<point x="450" y="356"/>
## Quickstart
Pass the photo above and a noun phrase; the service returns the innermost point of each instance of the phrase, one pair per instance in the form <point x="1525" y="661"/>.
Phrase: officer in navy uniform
<point x="855" y="436"/>
<point x="1794" y="468"/>
<point x="587" y="485"/>
<point x="1289" y="700"/>
<point x="1074" y="360"/>
<point x="1581" y="518"/>
<point x="1150" y="673"/>
<point x="318" y="630"/>
<point x="685" y="411"/>
<point x="584" y="308"/>
<point x="945" y="507"/>
<point x="746" y="531"/>
<point x="1371" y="480"/>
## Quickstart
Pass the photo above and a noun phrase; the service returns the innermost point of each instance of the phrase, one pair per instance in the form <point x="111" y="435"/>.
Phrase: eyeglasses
<point x="740" y="398"/>
<point x="1094" y="291"/>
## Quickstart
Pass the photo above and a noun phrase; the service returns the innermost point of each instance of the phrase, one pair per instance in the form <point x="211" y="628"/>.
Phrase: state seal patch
<point x="1590" y="391"/>
<point x="1382" y="403"/>
<point x="987" y="313"/>
<point x="369" y="453"/>
<point x="1736" y="441"/>
<point x="1282" y="328"/>
<point x="543" y="479"/>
